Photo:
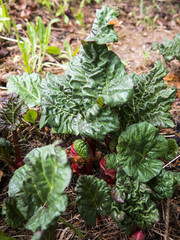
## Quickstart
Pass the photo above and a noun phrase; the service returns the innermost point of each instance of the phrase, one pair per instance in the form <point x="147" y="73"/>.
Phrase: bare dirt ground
<point x="135" y="41"/>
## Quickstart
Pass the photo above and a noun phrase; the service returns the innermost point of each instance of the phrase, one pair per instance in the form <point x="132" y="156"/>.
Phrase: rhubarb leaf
<point x="163" y="185"/>
<point x="133" y="206"/>
<point x="87" y="98"/>
<point x="27" y="87"/>
<point x="151" y="100"/>
<point x="93" y="198"/>
<point x="83" y="101"/>
<point x="102" y="31"/>
<point x="12" y="109"/>
<point x="37" y="187"/>
<point x="139" y="149"/>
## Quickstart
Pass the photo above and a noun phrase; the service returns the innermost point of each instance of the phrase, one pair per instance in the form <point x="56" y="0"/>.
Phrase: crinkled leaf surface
<point x="139" y="149"/>
<point x="151" y="100"/>
<point x="26" y="86"/>
<point x="163" y="185"/>
<point x="93" y="198"/>
<point x="111" y="162"/>
<point x="170" y="49"/>
<point x="83" y="101"/>
<point x="38" y="186"/>
<point x="137" y="209"/>
<point x="102" y="32"/>
<point x="12" y="108"/>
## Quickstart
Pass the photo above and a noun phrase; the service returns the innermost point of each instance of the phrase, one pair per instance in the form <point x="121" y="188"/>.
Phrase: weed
<point x="35" y="46"/>
<point x="61" y="11"/>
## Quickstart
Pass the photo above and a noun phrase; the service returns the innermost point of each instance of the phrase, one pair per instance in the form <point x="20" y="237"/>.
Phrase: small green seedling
<point x="150" y="21"/>
<point x="35" y="46"/>
<point x="79" y="15"/>
<point x="30" y="117"/>
<point x="68" y="54"/>
<point x="62" y="9"/>
<point x="5" y="21"/>
<point x="146" y="55"/>
<point x="46" y="3"/>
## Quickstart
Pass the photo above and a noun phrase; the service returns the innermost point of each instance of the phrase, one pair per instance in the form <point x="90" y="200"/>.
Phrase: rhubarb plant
<point x="133" y="206"/>
<point x="10" y="116"/>
<point x="137" y="167"/>
<point x="98" y="100"/>
<point x="36" y="190"/>
<point x="96" y="96"/>
<point x="169" y="49"/>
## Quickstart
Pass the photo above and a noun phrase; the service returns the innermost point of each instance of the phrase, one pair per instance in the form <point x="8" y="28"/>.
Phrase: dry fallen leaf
<point x="172" y="79"/>
<point x="114" y="22"/>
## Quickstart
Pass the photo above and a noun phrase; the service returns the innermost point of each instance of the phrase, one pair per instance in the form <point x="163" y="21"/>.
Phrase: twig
<point x="9" y="39"/>
<point x="3" y="88"/>
<point x="172" y="161"/>
<point x="166" y="234"/>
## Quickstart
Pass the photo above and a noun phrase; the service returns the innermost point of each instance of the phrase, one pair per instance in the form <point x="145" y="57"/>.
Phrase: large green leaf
<point x="102" y="32"/>
<point x="151" y="100"/>
<point x="27" y="86"/>
<point x="133" y="206"/>
<point x="93" y="198"/>
<point x="163" y="185"/>
<point x="139" y="149"/>
<point x="38" y="187"/>
<point x="83" y="101"/>
<point x="12" y="109"/>
<point x="169" y="48"/>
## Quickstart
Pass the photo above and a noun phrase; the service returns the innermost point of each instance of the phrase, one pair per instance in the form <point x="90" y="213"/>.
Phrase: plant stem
<point x="9" y="161"/>
<point x="107" y="142"/>
<point x="71" y="227"/>
<point x="92" y="144"/>
<point x="37" y="130"/>
<point x="16" y="148"/>
<point x="171" y="161"/>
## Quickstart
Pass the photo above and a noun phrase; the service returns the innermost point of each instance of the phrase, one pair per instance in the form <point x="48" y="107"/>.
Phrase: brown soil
<point x="133" y="48"/>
